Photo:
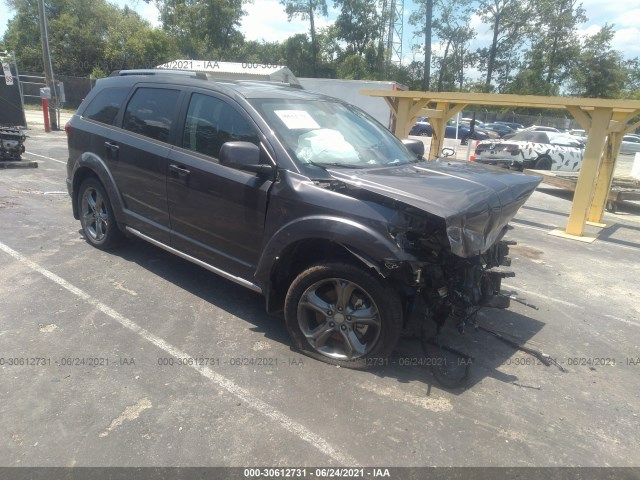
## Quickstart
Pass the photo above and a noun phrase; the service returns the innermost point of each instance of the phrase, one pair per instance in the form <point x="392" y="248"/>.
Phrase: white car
<point x="531" y="149"/>
<point x="630" y="144"/>
<point x="578" y="133"/>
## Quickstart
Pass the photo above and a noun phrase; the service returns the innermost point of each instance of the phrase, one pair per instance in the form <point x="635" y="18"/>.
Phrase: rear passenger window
<point x="150" y="112"/>
<point x="211" y="122"/>
<point x="105" y="107"/>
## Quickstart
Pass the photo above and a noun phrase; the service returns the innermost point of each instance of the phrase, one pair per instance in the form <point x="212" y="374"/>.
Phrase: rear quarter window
<point x="105" y="106"/>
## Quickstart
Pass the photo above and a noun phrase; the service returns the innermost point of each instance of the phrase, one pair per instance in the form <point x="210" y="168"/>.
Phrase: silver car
<point x="630" y="144"/>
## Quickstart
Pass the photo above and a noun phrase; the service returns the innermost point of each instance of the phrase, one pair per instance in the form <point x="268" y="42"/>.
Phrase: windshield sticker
<point x="294" y="119"/>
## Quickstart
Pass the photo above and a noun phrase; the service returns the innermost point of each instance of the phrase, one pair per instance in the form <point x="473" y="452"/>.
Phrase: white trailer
<point x="349" y="91"/>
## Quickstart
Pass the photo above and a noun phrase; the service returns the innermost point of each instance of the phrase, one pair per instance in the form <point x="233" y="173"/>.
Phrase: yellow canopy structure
<point x="605" y="121"/>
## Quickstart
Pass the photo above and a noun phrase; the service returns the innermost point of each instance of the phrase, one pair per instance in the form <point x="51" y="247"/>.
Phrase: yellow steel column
<point x="605" y="177"/>
<point x="438" y="127"/>
<point x="600" y="119"/>
<point x="407" y="110"/>
<point x="582" y="117"/>
<point x="402" y="117"/>
<point x="607" y="168"/>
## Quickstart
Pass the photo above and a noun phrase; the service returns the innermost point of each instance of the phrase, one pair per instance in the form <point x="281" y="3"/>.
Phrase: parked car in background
<point x="535" y="128"/>
<point x="463" y="132"/>
<point x="531" y="149"/>
<point x="578" y="133"/>
<point x="514" y="125"/>
<point x="630" y="144"/>
<point x="541" y="128"/>
<point x="499" y="128"/>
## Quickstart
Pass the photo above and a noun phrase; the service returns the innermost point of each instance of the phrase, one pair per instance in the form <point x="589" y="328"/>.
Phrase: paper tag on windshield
<point x="294" y="119"/>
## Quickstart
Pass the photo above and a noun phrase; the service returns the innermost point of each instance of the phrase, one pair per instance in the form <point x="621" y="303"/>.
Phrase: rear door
<point x="217" y="213"/>
<point x="139" y="152"/>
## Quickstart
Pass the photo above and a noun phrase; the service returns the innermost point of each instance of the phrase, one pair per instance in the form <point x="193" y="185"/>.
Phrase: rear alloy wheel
<point x="543" y="163"/>
<point x="96" y="215"/>
<point x="343" y="315"/>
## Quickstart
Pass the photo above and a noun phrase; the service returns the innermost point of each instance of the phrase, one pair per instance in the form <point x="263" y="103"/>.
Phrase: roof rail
<point x="152" y="71"/>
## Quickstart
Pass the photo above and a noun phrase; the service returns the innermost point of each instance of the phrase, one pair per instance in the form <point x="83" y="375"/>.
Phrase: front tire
<point x="343" y="315"/>
<point x="96" y="215"/>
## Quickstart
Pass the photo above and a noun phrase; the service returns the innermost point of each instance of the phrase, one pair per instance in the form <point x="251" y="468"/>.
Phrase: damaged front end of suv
<point x="451" y="287"/>
<point x="448" y="221"/>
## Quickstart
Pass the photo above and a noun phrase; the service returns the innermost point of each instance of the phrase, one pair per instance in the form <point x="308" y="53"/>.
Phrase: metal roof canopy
<point x="605" y="121"/>
<point x="234" y="71"/>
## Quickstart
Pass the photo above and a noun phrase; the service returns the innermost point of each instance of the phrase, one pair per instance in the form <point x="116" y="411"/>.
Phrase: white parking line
<point x="48" y="158"/>
<point x="287" y="423"/>
<point x="568" y="304"/>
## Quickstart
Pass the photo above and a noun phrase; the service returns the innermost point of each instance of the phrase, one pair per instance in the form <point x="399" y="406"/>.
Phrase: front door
<point x="217" y="213"/>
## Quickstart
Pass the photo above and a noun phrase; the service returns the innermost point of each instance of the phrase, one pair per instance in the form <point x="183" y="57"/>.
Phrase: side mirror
<point x="415" y="146"/>
<point x="243" y="156"/>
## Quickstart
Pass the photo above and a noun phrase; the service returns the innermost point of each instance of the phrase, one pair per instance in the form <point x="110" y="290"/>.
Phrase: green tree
<point x="307" y="10"/>
<point x="423" y="17"/>
<point x="203" y="28"/>
<point x="599" y="71"/>
<point x="23" y="36"/>
<point x="632" y="83"/>
<point x="554" y="47"/>
<point x="132" y="43"/>
<point x="261" y="52"/>
<point x="452" y="28"/>
<point x="508" y="19"/>
<point x="358" y="24"/>
<point x="297" y="52"/>
<point x="450" y="25"/>
<point x="85" y="36"/>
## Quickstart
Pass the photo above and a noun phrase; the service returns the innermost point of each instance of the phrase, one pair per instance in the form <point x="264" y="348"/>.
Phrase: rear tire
<point x="543" y="163"/>
<point x="343" y="315"/>
<point x="96" y="215"/>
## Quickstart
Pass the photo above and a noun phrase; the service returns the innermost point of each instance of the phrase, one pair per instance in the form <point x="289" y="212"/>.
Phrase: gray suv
<point x="298" y="196"/>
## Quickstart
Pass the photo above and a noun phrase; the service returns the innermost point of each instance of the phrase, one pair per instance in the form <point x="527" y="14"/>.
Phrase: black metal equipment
<point x="11" y="143"/>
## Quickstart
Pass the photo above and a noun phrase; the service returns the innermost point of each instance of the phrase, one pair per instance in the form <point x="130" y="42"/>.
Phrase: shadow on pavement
<point x="408" y="363"/>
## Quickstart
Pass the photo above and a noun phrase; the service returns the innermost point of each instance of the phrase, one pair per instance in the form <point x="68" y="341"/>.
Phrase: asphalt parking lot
<point x="101" y="336"/>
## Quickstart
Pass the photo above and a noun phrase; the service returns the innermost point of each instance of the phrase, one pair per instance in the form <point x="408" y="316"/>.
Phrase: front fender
<point x="369" y="244"/>
<point x="92" y="162"/>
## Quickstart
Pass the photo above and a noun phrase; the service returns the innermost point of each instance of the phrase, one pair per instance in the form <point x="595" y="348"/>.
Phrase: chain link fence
<point x="75" y="88"/>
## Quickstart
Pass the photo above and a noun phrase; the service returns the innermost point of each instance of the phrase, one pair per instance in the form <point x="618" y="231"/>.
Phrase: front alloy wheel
<point x="343" y="315"/>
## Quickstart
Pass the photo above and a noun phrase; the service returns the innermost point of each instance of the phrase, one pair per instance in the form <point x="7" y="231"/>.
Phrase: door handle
<point x="111" y="147"/>
<point x="180" y="171"/>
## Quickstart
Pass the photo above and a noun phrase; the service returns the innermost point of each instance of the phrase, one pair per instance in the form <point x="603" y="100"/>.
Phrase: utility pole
<point x="427" y="47"/>
<point x="48" y="69"/>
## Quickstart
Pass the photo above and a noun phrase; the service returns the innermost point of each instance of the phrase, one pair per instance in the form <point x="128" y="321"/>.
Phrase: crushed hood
<point x="475" y="201"/>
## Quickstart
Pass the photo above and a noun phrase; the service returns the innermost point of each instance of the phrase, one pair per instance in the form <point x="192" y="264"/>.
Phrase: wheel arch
<point x="310" y="241"/>
<point x="90" y="165"/>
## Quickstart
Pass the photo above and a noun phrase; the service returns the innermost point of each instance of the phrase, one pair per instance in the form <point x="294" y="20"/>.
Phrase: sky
<point x="266" y="20"/>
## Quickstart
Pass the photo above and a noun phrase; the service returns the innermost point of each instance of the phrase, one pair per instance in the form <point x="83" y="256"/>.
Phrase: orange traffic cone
<point x="472" y="156"/>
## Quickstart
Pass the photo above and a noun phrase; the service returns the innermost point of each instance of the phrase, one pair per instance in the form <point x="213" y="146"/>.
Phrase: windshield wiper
<point x="346" y="165"/>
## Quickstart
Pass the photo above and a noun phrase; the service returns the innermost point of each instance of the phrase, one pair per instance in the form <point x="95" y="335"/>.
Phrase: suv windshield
<point x="325" y="133"/>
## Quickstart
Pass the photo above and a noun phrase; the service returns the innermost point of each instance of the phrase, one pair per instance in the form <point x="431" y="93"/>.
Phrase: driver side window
<point x="211" y="122"/>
